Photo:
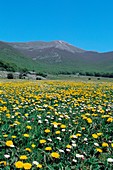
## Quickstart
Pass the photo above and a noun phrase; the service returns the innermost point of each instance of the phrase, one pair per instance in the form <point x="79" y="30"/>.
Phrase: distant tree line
<point x="5" y="66"/>
<point x="95" y="74"/>
<point x="11" y="67"/>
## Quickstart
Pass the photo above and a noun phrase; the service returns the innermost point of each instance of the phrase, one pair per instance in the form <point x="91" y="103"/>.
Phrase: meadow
<point x="56" y="125"/>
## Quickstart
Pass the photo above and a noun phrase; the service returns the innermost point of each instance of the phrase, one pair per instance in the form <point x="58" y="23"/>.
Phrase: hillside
<point x="11" y="59"/>
<point x="55" y="57"/>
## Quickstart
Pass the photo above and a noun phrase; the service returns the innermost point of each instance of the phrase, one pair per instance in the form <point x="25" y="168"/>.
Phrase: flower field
<point x="56" y="125"/>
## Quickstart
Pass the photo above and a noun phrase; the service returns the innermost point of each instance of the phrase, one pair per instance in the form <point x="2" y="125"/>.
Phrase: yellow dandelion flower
<point x="23" y="157"/>
<point x="8" y="115"/>
<point x="33" y="145"/>
<point x="95" y="136"/>
<point x="47" y="131"/>
<point x="78" y="134"/>
<point x="55" y="124"/>
<point x="104" y="144"/>
<point x="57" y="132"/>
<point x="39" y="166"/>
<point x="26" y="114"/>
<point x="3" y="162"/>
<point x="69" y="146"/>
<point x="28" y="127"/>
<point x="55" y="155"/>
<point x="48" y="148"/>
<point x="63" y="126"/>
<point x="26" y="135"/>
<point x="110" y="119"/>
<point x="13" y="137"/>
<point x="42" y="141"/>
<point x="28" y="149"/>
<point x="5" y="136"/>
<point x="83" y="128"/>
<point x="99" y="134"/>
<point x="99" y="150"/>
<point x="19" y="164"/>
<point x="27" y="166"/>
<point x="9" y="143"/>
<point x="89" y="120"/>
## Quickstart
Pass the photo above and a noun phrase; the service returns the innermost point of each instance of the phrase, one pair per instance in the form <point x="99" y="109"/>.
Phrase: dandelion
<point x="78" y="135"/>
<point x="3" y="162"/>
<point x="73" y="136"/>
<point x="69" y="146"/>
<point x="9" y="143"/>
<point x="47" y="131"/>
<point x="57" y="132"/>
<point x="26" y="114"/>
<point x="27" y="166"/>
<point x="55" y="124"/>
<point x="104" y="144"/>
<point x="99" y="150"/>
<point x="5" y="136"/>
<point x="42" y="141"/>
<point x="55" y="155"/>
<point x="48" y="148"/>
<point x="63" y="126"/>
<point x="13" y="137"/>
<point x="110" y="119"/>
<point x="19" y="164"/>
<point x="28" y="127"/>
<point x="99" y="134"/>
<point x="28" y="149"/>
<point x="89" y="120"/>
<point x="95" y="136"/>
<point x="39" y="166"/>
<point x="33" y="145"/>
<point x="23" y="157"/>
<point x="26" y="135"/>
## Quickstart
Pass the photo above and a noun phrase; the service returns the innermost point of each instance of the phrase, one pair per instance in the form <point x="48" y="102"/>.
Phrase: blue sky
<point x="87" y="24"/>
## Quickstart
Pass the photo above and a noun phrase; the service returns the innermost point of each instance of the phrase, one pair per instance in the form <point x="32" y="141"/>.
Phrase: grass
<point x="72" y="77"/>
<point x="56" y="125"/>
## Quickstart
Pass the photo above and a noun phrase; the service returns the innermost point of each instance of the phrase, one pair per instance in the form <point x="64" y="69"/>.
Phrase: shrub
<point x="89" y="78"/>
<point x="10" y="76"/>
<point x="38" y="78"/>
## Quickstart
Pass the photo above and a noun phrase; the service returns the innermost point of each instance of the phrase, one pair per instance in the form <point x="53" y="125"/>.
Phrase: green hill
<point x="53" y="57"/>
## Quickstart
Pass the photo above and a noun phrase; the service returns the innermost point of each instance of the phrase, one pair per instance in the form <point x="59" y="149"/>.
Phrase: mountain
<point x="55" y="57"/>
<point x="13" y="60"/>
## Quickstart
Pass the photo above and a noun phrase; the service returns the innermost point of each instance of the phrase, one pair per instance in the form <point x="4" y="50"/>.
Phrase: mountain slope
<point x="10" y="57"/>
<point x="61" y="56"/>
<point x="55" y="57"/>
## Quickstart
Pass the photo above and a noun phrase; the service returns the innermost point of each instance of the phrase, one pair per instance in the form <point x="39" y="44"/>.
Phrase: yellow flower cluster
<point x="55" y="124"/>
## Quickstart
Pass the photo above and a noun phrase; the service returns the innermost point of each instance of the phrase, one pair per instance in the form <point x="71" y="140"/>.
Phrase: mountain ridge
<point x="58" y="56"/>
